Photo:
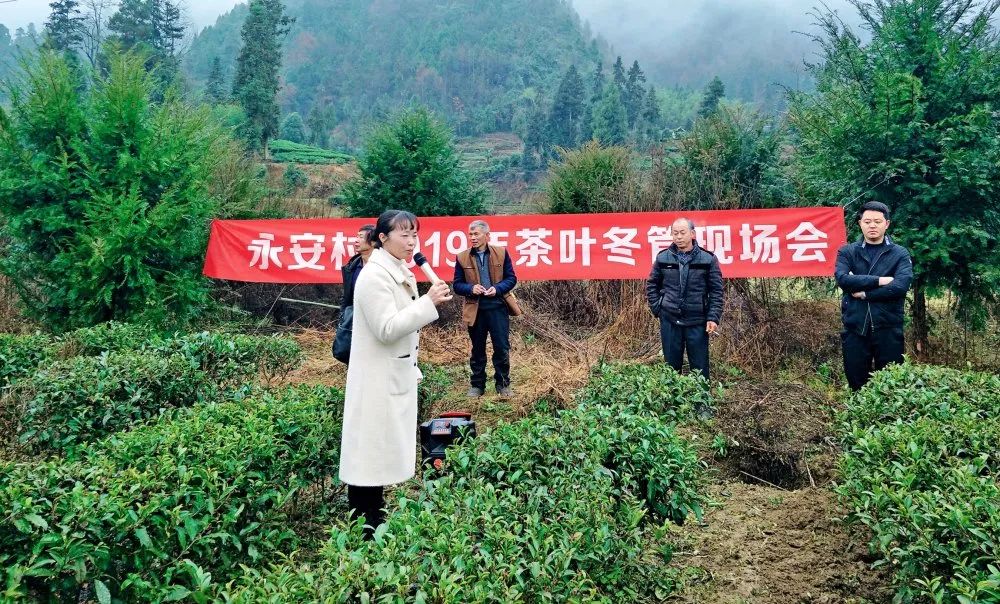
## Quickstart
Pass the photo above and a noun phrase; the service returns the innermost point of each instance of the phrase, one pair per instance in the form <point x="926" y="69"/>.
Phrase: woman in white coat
<point x="379" y="440"/>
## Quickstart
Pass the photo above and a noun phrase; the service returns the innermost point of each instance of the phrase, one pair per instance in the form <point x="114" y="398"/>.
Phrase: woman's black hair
<point x="390" y="220"/>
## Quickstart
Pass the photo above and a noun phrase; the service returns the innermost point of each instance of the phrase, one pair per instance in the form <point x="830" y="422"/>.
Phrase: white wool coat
<point x="379" y="440"/>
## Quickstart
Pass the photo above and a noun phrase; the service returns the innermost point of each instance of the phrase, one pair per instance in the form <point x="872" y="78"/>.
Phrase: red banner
<point x="795" y="242"/>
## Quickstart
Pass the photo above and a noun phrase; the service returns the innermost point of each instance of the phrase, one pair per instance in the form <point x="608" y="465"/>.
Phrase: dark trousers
<point x="367" y="503"/>
<point x="495" y="323"/>
<point x="676" y="338"/>
<point x="866" y="354"/>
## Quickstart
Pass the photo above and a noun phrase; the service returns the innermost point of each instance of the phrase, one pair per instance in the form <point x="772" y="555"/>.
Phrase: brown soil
<point x="777" y="434"/>
<point x="770" y="546"/>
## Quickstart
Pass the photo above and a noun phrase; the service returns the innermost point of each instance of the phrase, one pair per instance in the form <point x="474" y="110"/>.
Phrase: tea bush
<point x="161" y="512"/>
<point x="922" y="446"/>
<point x="434" y="386"/>
<point x="655" y="388"/>
<point x="20" y="355"/>
<point x="548" y="509"/>
<point x="466" y="540"/>
<point x="642" y="453"/>
<point x="233" y="359"/>
<point x="228" y="358"/>
<point x="85" y="398"/>
<point x="113" y="336"/>
<point x="287" y="151"/>
<point x="124" y="375"/>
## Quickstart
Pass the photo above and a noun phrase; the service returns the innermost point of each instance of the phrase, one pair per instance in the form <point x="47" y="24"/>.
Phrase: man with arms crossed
<point x="874" y="274"/>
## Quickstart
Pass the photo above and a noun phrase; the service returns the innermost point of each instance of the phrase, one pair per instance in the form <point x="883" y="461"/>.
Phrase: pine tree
<point x="132" y="24"/>
<point x="319" y="121"/>
<point x="619" y="75"/>
<point x="153" y="28"/>
<point x="536" y="142"/>
<point x="635" y="94"/>
<point x="167" y="26"/>
<point x="610" y="119"/>
<point x="597" y="83"/>
<point x="63" y="30"/>
<point x="907" y="116"/>
<point x="256" y="84"/>
<point x="651" y="115"/>
<point x="567" y="110"/>
<point x="293" y="128"/>
<point x="411" y="163"/>
<point x="215" y="86"/>
<point x="94" y="28"/>
<point x="714" y="92"/>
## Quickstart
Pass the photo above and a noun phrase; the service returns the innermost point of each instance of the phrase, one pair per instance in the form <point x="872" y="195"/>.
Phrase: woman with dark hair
<point x="379" y="442"/>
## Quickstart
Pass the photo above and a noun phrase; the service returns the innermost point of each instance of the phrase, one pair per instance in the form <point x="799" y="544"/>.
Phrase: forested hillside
<point x="474" y="63"/>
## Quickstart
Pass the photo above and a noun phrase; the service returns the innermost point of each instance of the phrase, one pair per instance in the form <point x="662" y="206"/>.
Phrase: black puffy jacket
<point x="882" y="306"/>
<point x="696" y="300"/>
<point x="349" y="270"/>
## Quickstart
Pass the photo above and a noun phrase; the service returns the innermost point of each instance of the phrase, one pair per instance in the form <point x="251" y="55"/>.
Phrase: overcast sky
<point x="618" y="20"/>
<point x="631" y="26"/>
<point x="21" y="12"/>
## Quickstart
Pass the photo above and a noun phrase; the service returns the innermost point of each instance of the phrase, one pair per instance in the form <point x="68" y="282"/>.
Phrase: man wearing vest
<point x="484" y="274"/>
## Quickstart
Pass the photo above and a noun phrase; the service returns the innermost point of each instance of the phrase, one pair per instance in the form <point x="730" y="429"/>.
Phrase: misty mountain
<point x="757" y="47"/>
<point x="473" y="62"/>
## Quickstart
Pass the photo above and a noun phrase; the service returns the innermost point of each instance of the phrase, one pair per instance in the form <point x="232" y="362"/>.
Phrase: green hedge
<point x="21" y="355"/>
<point x="228" y="358"/>
<point x="85" y="398"/>
<point x="148" y="515"/>
<point x="547" y="509"/>
<point x="132" y="377"/>
<point x="287" y="151"/>
<point x="655" y="388"/>
<point x="112" y="336"/>
<point x="233" y="359"/>
<point x="922" y="446"/>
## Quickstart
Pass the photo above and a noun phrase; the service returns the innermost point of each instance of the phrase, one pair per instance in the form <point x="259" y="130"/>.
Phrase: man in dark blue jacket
<point x="485" y="275"/>
<point x="684" y="291"/>
<point x="875" y="275"/>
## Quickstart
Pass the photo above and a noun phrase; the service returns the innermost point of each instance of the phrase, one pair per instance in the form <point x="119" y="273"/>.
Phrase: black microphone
<point x="425" y="266"/>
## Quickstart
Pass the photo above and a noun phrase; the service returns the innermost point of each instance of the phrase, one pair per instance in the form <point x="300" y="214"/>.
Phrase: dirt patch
<point x="550" y="373"/>
<point x="769" y="546"/>
<point x="318" y="367"/>
<point x="777" y="433"/>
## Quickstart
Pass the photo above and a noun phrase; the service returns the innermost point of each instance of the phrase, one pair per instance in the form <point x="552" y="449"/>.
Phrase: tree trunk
<point x="921" y="321"/>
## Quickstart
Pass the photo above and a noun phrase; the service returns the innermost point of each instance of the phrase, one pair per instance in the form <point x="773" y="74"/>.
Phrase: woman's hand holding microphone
<point x="439" y="292"/>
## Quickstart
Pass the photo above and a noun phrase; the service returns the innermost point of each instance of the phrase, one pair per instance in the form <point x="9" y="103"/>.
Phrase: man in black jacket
<point x="341" y="347"/>
<point x="684" y="291"/>
<point x="353" y="267"/>
<point x="875" y="275"/>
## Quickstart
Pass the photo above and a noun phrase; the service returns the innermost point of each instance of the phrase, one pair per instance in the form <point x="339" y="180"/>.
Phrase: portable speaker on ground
<point x="437" y="434"/>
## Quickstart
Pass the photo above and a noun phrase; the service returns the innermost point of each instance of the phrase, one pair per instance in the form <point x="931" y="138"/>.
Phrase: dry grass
<point x="12" y="320"/>
<point x="313" y="200"/>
